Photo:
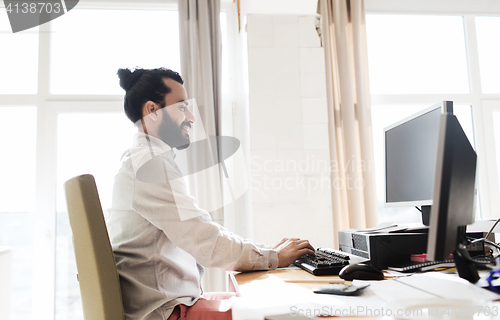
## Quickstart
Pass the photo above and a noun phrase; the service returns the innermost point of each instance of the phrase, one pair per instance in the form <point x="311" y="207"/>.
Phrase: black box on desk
<point x="383" y="249"/>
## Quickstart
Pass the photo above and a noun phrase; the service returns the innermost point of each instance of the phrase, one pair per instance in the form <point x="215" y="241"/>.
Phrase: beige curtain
<point x="200" y="47"/>
<point x="343" y="33"/>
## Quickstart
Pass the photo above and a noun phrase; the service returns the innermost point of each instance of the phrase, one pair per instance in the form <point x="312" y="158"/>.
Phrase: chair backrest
<point x="97" y="273"/>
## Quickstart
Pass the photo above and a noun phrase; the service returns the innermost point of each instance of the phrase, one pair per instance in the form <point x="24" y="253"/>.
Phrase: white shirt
<point x="161" y="239"/>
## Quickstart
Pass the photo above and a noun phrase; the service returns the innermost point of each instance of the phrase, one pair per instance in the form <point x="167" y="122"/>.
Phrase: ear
<point x="149" y="110"/>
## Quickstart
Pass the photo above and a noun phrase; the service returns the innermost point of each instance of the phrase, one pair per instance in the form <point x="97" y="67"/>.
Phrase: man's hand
<point x="290" y="250"/>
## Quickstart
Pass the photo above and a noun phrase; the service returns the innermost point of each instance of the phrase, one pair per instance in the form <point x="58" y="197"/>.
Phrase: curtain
<point x="200" y="48"/>
<point x="343" y="33"/>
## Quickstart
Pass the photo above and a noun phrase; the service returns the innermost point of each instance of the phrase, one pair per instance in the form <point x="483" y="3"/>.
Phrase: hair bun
<point x="129" y="78"/>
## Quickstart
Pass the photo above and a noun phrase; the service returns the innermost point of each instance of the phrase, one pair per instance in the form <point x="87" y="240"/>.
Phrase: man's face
<point x="176" y="117"/>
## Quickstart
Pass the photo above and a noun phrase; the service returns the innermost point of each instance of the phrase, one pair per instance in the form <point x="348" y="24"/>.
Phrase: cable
<point x="487" y="235"/>
<point x="489" y="232"/>
<point x="490" y="243"/>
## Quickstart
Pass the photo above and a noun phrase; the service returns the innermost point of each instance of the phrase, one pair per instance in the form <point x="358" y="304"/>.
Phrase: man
<point x="160" y="237"/>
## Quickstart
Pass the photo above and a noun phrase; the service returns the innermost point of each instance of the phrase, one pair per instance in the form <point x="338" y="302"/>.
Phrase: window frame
<point x="48" y="107"/>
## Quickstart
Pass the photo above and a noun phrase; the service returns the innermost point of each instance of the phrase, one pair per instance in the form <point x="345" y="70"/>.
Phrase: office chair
<point x="97" y="273"/>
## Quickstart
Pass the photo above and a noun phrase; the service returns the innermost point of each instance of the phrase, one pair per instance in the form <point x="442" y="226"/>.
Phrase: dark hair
<point x="142" y="85"/>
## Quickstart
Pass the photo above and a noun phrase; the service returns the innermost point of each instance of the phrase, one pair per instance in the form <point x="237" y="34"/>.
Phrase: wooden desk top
<point x="243" y="281"/>
<point x="285" y="274"/>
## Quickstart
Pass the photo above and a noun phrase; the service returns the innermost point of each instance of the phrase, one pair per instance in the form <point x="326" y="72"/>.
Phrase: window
<point x="416" y="54"/>
<point x="496" y="125"/>
<point x="427" y="59"/>
<point x="489" y="51"/>
<point x="59" y="120"/>
<point x="114" y="39"/>
<point x="17" y="165"/>
<point x="19" y="67"/>
<point x="17" y="194"/>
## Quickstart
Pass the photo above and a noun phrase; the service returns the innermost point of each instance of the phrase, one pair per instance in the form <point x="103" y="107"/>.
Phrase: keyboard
<point x="430" y="265"/>
<point x="326" y="262"/>
<point x="425" y="266"/>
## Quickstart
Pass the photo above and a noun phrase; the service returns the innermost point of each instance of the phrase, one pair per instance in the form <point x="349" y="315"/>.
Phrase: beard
<point x="171" y="133"/>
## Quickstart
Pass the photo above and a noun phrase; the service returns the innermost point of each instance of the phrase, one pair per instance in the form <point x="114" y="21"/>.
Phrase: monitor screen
<point x="410" y="157"/>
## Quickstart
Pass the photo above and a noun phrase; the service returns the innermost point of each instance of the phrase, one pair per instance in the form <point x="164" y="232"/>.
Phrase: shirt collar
<point x="141" y="140"/>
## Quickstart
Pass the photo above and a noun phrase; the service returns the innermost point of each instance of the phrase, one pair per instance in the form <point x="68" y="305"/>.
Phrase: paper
<point x="278" y="297"/>
<point x="422" y="294"/>
<point x="448" y="286"/>
<point x="391" y="290"/>
<point x="436" y="295"/>
<point x="389" y="227"/>
<point x="380" y="227"/>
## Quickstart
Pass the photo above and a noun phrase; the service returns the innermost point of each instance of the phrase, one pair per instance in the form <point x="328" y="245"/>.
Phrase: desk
<point x="266" y="293"/>
<point x="276" y="280"/>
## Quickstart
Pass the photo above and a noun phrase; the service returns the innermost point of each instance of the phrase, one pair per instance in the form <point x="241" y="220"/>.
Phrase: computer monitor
<point x="453" y="196"/>
<point x="410" y="158"/>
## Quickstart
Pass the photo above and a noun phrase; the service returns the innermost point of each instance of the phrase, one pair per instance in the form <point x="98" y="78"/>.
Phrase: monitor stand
<point x="465" y="266"/>
<point x="426" y="215"/>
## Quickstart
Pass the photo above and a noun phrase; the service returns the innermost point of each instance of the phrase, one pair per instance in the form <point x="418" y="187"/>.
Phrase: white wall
<point x="288" y="130"/>
<point x="298" y="7"/>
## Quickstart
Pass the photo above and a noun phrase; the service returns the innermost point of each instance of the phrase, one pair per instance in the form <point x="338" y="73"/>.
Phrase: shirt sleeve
<point x="263" y="245"/>
<point x="167" y="205"/>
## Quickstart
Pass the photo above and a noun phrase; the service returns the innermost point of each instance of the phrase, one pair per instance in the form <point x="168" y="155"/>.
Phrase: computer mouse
<point x="361" y="271"/>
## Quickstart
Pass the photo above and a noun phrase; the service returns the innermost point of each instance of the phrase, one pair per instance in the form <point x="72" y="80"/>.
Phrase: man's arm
<point x="209" y="243"/>
<point x="170" y="208"/>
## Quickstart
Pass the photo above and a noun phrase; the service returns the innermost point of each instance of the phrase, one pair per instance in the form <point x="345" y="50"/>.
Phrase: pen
<point x="313" y="280"/>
